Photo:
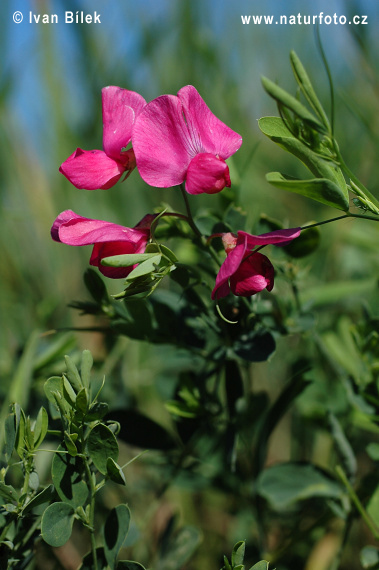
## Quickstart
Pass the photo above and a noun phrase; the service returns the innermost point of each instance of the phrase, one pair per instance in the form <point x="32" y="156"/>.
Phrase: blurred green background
<point x="50" y="103"/>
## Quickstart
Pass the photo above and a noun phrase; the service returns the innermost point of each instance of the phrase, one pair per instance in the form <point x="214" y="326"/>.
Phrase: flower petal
<point x="161" y="142"/>
<point x="253" y="275"/>
<point x="75" y="230"/>
<point x="207" y="174"/>
<point x="277" y="237"/>
<point x="120" y="109"/>
<point x="91" y="169"/>
<point x="64" y="217"/>
<point x="227" y="269"/>
<point x="207" y="132"/>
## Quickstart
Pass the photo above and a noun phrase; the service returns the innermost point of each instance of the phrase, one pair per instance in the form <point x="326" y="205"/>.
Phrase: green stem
<point x="195" y="229"/>
<point x="91" y="513"/>
<point x="349" y="215"/>
<point x="352" y="177"/>
<point x="189" y="214"/>
<point x="354" y="497"/>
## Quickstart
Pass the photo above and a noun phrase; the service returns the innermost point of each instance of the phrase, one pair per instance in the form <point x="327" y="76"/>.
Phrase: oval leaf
<point x="285" y="484"/>
<point x="115" y="530"/>
<point x="115" y="472"/>
<point x="56" y="525"/>
<point x="66" y="473"/>
<point x="101" y="445"/>
<point x="319" y="189"/>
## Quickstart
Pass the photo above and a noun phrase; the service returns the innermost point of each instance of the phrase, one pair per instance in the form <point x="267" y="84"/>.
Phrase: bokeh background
<point x="50" y="103"/>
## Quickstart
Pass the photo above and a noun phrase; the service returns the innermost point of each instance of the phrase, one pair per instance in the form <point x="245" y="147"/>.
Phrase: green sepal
<point x="126" y="259"/>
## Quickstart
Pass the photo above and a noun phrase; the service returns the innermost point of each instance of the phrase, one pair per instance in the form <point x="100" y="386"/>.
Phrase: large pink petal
<point x="64" y="217"/>
<point x="120" y="109"/>
<point x="109" y="249"/>
<point x="207" y="132"/>
<point x="207" y="174"/>
<point x="253" y="275"/>
<point x="84" y="231"/>
<point x="91" y="169"/>
<point x="161" y="142"/>
<point x="277" y="237"/>
<point x="227" y="269"/>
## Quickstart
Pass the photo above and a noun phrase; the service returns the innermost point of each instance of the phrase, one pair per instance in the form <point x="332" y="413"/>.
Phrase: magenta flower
<point x="177" y="139"/>
<point x="108" y="239"/>
<point x="245" y="272"/>
<point x="92" y="169"/>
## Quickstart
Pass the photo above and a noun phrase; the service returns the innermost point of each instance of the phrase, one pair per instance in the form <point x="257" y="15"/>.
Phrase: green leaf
<point x="115" y="531"/>
<point x="10" y="435"/>
<point x="81" y="402"/>
<point x="291" y="103"/>
<point x="287" y="483"/>
<point x="126" y="259"/>
<point x="95" y="286"/>
<point x="307" y="88"/>
<point x="370" y="557"/>
<point x="96" y="411"/>
<point x="343" y="446"/>
<point x="67" y="473"/>
<point x="238" y="553"/>
<point x="146" y="267"/>
<point x="319" y="189"/>
<point x="85" y="368"/>
<point x="307" y="242"/>
<point x="8" y="492"/>
<point x="73" y="374"/>
<point x="68" y="392"/>
<point x="180" y="549"/>
<point x="44" y="496"/>
<point x="373" y="451"/>
<point x="255" y="346"/>
<point x="115" y="472"/>
<point x="88" y="562"/>
<point x="373" y="506"/>
<point x="70" y="445"/>
<point x="141" y="431"/>
<point x="275" y="129"/>
<point x="102" y="444"/>
<point x="40" y="428"/>
<point x="52" y="386"/>
<point x="20" y="434"/>
<point x="262" y="565"/>
<point x="56" y="525"/>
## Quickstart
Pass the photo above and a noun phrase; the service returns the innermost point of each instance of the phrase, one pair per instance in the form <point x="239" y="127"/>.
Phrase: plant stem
<point x="349" y="215"/>
<point x="189" y="214"/>
<point x="352" y="177"/>
<point x="91" y="513"/>
<point x="354" y="497"/>
<point x="195" y="229"/>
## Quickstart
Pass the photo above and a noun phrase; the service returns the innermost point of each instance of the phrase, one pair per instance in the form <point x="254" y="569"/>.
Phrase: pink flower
<point x="245" y="272"/>
<point x="108" y="239"/>
<point x="177" y="139"/>
<point x="91" y="169"/>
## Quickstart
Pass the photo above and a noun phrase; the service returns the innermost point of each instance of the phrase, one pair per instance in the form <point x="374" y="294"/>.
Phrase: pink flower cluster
<point x="175" y="140"/>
